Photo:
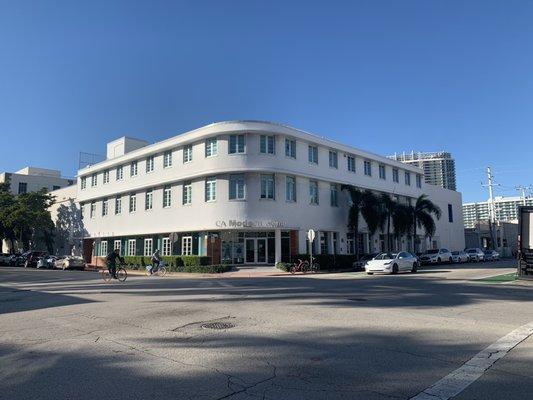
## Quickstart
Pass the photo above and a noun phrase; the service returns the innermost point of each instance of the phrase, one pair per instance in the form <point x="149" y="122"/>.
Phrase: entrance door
<point x="250" y="251"/>
<point x="261" y="251"/>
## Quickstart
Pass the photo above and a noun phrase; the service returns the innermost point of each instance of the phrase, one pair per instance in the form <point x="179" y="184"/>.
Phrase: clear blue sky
<point x="384" y="76"/>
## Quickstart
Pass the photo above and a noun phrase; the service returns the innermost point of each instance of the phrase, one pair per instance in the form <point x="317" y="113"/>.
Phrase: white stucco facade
<point x="191" y="195"/>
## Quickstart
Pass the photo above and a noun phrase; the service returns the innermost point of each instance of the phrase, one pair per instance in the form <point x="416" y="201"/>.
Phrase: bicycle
<point x="304" y="267"/>
<point x="122" y="275"/>
<point x="160" y="270"/>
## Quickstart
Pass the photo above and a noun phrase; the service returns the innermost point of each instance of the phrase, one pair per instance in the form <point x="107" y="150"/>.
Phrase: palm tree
<point x="365" y="204"/>
<point x="394" y="215"/>
<point x="422" y="216"/>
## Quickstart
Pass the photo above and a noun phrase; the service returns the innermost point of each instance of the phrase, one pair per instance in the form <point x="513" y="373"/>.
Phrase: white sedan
<point x="392" y="263"/>
<point x="460" y="257"/>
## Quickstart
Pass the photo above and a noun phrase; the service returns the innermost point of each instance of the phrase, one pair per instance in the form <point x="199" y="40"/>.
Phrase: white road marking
<point x="457" y="381"/>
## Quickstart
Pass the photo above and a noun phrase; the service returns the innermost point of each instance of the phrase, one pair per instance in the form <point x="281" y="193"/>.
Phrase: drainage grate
<point x="218" y="325"/>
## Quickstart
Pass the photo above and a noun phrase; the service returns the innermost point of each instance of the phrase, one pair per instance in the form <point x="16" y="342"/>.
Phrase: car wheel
<point x="26" y="264"/>
<point x="439" y="260"/>
<point x="395" y="269"/>
<point x="415" y="268"/>
<point x="450" y="260"/>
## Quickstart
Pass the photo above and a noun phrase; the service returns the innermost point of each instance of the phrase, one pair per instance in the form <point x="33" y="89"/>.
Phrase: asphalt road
<point x="68" y="335"/>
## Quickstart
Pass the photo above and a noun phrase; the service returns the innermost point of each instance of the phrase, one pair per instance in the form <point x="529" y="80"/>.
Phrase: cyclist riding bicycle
<point x="112" y="262"/>
<point x="156" y="261"/>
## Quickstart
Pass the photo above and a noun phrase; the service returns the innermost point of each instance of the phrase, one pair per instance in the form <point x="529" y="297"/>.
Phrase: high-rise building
<point x="439" y="167"/>
<point x="505" y="210"/>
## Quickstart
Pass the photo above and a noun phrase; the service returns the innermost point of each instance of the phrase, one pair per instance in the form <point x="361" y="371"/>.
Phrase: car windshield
<point x="432" y="252"/>
<point x="456" y="253"/>
<point x="385" y="256"/>
<point x="472" y="251"/>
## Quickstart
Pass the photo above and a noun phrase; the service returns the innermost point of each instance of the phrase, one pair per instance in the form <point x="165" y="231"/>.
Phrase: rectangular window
<point x="290" y="188"/>
<point x="117" y="245"/>
<point x="351" y="163"/>
<point x="186" y="245"/>
<point x="94" y="180"/>
<point x="187" y="153"/>
<point x="334" y="195"/>
<point x="93" y="209"/>
<point x="290" y="148"/>
<point x="23" y="187"/>
<point x="167" y="196"/>
<point x="333" y="159"/>
<point x="418" y="181"/>
<point x="237" y="187"/>
<point x="103" y="248"/>
<point x="237" y="144"/>
<point x="120" y="173"/>
<point x="133" y="203"/>
<point x="132" y="247"/>
<point x="82" y="210"/>
<point x="149" y="164"/>
<point x="106" y="176"/>
<point x="187" y="192"/>
<point x="148" y="247"/>
<point x="368" y="168"/>
<point x="133" y="168"/>
<point x="211" y="147"/>
<point x="382" y="172"/>
<point x="313" y="154"/>
<point x="450" y="213"/>
<point x="313" y="192"/>
<point x="267" y="186"/>
<point x="407" y="178"/>
<point x="267" y="144"/>
<point x="210" y="189"/>
<point x="83" y="183"/>
<point x="167" y="159"/>
<point x="395" y="175"/>
<point x="55" y="187"/>
<point x="105" y="207"/>
<point x="149" y="200"/>
<point x="118" y="205"/>
<point x="167" y="247"/>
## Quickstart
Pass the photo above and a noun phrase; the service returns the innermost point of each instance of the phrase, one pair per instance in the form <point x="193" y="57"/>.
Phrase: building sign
<point x="236" y="224"/>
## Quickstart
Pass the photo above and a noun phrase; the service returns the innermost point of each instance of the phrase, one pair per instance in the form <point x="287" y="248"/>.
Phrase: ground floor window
<point x="324" y="248"/>
<point x="132" y="246"/>
<point x="167" y="247"/>
<point x="148" y="247"/>
<point x="186" y="245"/>
<point x="103" y="248"/>
<point x="117" y="245"/>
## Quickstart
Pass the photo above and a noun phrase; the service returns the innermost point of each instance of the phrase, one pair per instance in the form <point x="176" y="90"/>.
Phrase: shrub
<point x="329" y="261"/>
<point x="284" y="266"/>
<point x="173" y="263"/>
<point x="206" y="269"/>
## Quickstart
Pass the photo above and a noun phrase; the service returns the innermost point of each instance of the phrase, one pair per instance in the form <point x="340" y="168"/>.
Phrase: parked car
<point x="16" y="260"/>
<point x="70" y="262"/>
<point x="392" y="263"/>
<point x="4" y="258"/>
<point x="475" y="254"/>
<point x="491" y="255"/>
<point x="360" y="264"/>
<point x="31" y="258"/>
<point x="436" y="256"/>
<point x="46" y="261"/>
<point x="460" y="257"/>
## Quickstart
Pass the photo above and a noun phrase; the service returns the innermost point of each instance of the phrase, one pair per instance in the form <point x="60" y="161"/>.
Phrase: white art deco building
<point x="244" y="192"/>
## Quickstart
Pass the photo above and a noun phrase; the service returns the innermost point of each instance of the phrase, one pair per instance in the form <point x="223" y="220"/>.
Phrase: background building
<point x="439" y="167"/>
<point x="31" y="179"/>
<point x="505" y="210"/>
<point x="243" y="192"/>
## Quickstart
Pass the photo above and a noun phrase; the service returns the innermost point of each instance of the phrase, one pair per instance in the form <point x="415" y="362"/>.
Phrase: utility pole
<point x="492" y="212"/>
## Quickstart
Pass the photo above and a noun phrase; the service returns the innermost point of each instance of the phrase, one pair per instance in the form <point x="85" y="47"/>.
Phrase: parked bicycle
<point x="304" y="267"/>
<point x="160" y="270"/>
<point x="122" y="275"/>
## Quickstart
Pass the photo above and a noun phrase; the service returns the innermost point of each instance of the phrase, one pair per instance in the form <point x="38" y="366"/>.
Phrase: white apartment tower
<point x="439" y="167"/>
<point x="505" y="210"/>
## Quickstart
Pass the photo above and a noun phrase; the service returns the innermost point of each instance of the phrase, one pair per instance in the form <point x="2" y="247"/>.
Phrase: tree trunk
<point x="414" y="235"/>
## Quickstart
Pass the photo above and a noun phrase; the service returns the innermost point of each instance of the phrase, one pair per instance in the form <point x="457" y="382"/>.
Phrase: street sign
<point x="311" y="235"/>
<point x="173" y="237"/>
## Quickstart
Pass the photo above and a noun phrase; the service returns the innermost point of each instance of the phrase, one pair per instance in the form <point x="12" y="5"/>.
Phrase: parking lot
<point x="66" y="334"/>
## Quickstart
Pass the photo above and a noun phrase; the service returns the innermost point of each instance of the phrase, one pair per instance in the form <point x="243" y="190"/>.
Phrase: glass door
<point x="261" y="251"/>
<point x="250" y="251"/>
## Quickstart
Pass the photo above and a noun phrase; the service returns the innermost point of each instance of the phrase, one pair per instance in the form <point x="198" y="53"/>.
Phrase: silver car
<point x="460" y="257"/>
<point x="475" y="254"/>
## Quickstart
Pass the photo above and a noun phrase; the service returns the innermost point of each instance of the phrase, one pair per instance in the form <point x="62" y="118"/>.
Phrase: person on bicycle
<point x="112" y="262"/>
<point x="156" y="261"/>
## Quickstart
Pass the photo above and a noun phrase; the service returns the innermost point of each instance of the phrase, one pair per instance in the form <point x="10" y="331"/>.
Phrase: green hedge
<point x="329" y="261"/>
<point x="284" y="266"/>
<point x="207" y="269"/>
<point x="173" y="263"/>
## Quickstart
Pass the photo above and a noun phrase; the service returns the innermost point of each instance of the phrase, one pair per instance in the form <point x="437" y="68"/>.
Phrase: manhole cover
<point x="218" y="325"/>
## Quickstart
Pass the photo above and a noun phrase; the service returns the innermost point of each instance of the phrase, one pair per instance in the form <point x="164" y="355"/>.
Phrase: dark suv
<point x="31" y="258"/>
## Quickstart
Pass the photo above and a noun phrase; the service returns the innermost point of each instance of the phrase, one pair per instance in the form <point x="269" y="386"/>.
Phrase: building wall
<point x="34" y="182"/>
